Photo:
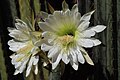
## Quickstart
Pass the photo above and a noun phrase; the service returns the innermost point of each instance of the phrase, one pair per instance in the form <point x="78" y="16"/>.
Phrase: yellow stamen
<point x="66" y="39"/>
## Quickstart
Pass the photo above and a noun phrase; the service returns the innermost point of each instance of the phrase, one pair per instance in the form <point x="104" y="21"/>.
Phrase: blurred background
<point x="106" y="56"/>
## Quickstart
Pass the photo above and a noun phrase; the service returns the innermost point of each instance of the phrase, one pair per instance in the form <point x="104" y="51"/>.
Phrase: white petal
<point x="83" y="25"/>
<point x="54" y="58"/>
<point x="36" y="59"/>
<point x="80" y="56"/>
<point x="49" y="36"/>
<point x="21" y="25"/>
<point x="17" y="57"/>
<point x="30" y="62"/>
<point x="53" y="21"/>
<point x="23" y="66"/>
<point x="45" y="27"/>
<point x="13" y="61"/>
<point x="34" y="50"/>
<point x="11" y="29"/>
<point x="51" y="24"/>
<point x="87" y="43"/>
<point x="58" y="14"/>
<point x="88" y="33"/>
<point x="18" y="35"/>
<point x="36" y="69"/>
<point x="65" y="58"/>
<point x="60" y="19"/>
<point x="45" y="47"/>
<point x="29" y="66"/>
<point x="76" y="15"/>
<point x="46" y="34"/>
<point x="53" y="51"/>
<point x="73" y="56"/>
<point x="86" y="56"/>
<point x="88" y="59"/>
<point x="15" y="46"/>
<point x="16" y="72"/>
<point x="56" y="19"/>
<point x="18" y="64"/>
<point x="54" y="65"/>
<point x="28" y="72"/>
<point x="65" y="6"/>
<point x="87" y="16"/>
<point x="67" y="13"/>
<point x="96" y="42"/>
<point x="75" y="66"/>
<point x="74" y="9"/>
<point x="98" y="28"/>
<point x="12" y="56"/>
<point x="44" y="64"/>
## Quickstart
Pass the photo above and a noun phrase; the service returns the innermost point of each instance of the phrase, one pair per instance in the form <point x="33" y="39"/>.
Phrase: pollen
<point x="66" y="40"/>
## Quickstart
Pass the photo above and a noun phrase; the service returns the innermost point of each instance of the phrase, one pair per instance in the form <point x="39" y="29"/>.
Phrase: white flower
<point x="23" y="45"/>
<point x="68" y="34"/>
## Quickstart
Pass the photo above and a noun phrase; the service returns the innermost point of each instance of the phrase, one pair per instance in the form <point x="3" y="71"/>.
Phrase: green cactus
<point x="2" y="63"/>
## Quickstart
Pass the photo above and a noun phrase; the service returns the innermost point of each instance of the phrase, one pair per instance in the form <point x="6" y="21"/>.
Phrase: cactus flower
<point x="23" y="45"/>
<point x="67" y="34"/>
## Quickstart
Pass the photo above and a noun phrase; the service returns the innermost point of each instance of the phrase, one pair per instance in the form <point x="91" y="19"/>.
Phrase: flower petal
<point x="45" y="47"/>
<point x="80" y="56"/>
<point x="88" y="33"/>
<point x="96" y="42"/>
<point x="74" y="65"/>
<point x="16" y="72"/>
<point x="18" y="35"/>
<point x="36" y="59"/>
<point x="98" y="28"/>
<point x="21" y="25"/>
<point x="74" y="9"/>
<point x="29" y="66"/>
<point x="15" y="46"/>
<point x="65" y="58"/>
<point x="76" y="15"/>
<point x="54" y="65"/>
<point x="36" y="69"/>
<point x="18" y="64"/>
<point x="87" y="16"/>
<point x="53" y="51"/>
<point x="87" y="58"/>
<point x="49" y="36"/>
<point x="44" y="26"/>
<point x="11" y="29"/>
<point x="87" y="43"/>
<point x="83" y="26"/>
<point x="74" y="57"/>
<point x="65" y="6"/>
<point x="27" y="72"/>
<point x="23" y="66"/>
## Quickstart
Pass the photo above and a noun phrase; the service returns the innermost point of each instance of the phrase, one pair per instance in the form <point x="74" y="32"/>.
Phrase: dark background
<point x="106" y="56"/>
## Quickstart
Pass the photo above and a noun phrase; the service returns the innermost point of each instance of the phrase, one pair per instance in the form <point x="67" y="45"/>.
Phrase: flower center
<point x="67" y="29"/>
<point x="66" y="40"/>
